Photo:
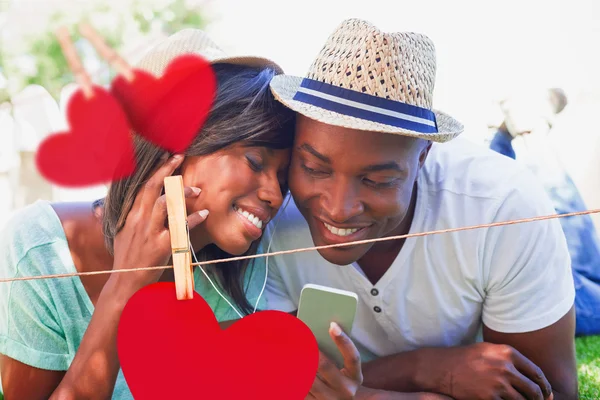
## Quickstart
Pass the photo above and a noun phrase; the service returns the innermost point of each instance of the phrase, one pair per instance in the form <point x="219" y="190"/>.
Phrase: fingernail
<point x="335" y="329"/>
<point x="177" y="157"/>
<point x="196" y="190"/>
<point x="203" y="213"/>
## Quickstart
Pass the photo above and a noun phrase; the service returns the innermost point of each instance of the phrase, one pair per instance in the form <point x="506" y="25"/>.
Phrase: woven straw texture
<point x="360" y="57"/>
<point x="194" y="41"/>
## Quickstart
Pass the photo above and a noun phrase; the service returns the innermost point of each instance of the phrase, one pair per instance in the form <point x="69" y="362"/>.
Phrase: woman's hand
<point x="332" y="383"/>
<point x="144" y="240"/>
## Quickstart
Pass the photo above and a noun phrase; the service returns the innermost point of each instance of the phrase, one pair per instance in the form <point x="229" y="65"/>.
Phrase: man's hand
<point x="486" y="369"/>
<point x="492" y="371"/>
<point x="332" y="383"/>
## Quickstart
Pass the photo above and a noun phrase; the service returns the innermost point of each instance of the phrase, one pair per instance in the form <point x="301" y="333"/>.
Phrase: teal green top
<point x="43" y="321"/>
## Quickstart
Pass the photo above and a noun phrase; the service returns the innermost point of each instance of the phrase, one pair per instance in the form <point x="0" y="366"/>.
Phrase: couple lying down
<point x="351" y="151"/>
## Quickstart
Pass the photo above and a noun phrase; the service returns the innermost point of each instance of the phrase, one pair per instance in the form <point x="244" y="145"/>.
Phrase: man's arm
<point x="479" y="371"/>
<point x="552" y="349"/>
<point x="528" y="294"/>
<point x="372" y="394"/>
<point x="397" y="372"/>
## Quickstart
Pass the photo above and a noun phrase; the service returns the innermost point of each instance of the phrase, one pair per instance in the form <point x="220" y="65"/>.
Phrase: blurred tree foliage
<point x="41" y="53"/>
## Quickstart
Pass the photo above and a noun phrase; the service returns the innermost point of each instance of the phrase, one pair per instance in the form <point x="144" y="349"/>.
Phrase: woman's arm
<point x="93" y="372"/>
<point x="22" y="381"/>
<point x="143" y="241"/>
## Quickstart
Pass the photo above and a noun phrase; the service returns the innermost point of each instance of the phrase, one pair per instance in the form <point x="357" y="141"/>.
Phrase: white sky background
<point x="485" y="49"/>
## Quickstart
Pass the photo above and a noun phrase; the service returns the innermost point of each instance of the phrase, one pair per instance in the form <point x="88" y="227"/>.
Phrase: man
<point x="530" y="118"/>
<point x="365" y="166"/>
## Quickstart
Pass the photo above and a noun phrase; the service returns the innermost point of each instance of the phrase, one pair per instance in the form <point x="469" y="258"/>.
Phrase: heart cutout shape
<point x="175" y="349"/>
<point x="169" y="111"/>
<point x="97" y="149"/>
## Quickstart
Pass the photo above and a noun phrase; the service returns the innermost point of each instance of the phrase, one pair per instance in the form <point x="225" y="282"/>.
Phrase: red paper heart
<point x="174" y="349"/>
<point x="169" y="111"/>
<point x="97" y="149"/>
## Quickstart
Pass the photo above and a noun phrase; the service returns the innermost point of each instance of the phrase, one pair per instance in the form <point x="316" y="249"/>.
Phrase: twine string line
<point x="329" y="246"/>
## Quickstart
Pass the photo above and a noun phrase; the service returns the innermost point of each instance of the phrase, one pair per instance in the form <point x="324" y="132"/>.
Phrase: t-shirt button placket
<point x="375" y="292"/>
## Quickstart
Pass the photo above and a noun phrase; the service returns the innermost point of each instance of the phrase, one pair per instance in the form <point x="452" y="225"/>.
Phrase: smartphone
<point x="321" y="305"/>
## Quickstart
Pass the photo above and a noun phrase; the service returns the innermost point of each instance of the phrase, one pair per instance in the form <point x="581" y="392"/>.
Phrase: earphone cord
<point x="208" y="277"/>
<point x="278" y="217"/>
<point x="266" y="266"/>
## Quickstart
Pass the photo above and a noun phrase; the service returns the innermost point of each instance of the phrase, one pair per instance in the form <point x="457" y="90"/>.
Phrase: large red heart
<point x="98" y="147"/>
<point x="169" y="111"/>
<point x="175" y="349"/>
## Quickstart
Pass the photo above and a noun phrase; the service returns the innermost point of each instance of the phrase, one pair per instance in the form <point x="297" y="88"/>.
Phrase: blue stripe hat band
<point x="365" y="106"/>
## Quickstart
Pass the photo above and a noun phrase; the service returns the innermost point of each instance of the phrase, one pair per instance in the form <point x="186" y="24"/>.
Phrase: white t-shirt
<point x="441" y="287"/>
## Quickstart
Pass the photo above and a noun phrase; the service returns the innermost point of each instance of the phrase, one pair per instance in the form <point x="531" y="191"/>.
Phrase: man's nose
<point x="341" y="201"/>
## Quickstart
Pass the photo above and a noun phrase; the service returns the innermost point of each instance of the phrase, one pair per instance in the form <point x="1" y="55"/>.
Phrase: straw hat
<point x="195" y="41"/>
<point x="367" y="79"/>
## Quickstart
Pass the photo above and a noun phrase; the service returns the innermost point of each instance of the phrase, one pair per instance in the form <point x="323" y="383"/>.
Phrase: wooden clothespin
<point x="182" y="257"/>
<point x="70" y="53"/>
<point x="110" y="55"/>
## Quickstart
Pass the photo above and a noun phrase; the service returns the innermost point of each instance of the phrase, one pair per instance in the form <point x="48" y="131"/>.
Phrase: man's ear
<point x="424" y="153"/>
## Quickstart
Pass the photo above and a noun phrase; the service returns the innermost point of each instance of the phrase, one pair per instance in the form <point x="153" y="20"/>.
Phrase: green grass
<point x="588" y="367"/>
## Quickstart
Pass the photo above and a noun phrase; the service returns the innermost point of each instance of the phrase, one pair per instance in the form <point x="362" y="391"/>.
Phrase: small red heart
<point x="175" y="349"/>
<point x="97" y="149"/>
<point x="169" y="111"/>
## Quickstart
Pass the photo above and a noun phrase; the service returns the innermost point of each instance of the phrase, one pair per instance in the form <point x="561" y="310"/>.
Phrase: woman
<point x="58" y="336"/>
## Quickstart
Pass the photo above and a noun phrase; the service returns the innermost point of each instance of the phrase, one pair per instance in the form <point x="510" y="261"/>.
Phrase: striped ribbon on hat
<point x="365" y="106"/>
